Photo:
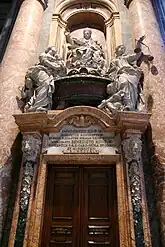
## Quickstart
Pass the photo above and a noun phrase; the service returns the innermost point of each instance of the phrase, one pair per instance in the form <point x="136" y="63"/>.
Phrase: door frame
<point x="34" y="233"/>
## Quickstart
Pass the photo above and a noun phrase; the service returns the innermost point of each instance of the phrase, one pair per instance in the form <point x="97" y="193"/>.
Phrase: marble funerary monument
<point x="83" y="83"/>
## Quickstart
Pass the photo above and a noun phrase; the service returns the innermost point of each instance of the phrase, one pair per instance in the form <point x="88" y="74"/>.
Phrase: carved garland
<point x="132" y="148"/>
<point x="31" y="145"/>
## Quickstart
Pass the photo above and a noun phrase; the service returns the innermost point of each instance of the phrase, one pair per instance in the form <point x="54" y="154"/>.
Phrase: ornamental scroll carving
<point x="81" y="121"/>
<point x="134" y="177"/>
<point x="26" y="185"/>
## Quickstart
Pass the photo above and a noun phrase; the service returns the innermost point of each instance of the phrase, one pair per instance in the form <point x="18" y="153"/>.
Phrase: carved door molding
<point x="34" y="233"/>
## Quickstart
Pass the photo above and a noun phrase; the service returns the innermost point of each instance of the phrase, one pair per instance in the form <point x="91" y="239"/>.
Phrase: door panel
<point x="80" y="208"/>
<point x="99" y="215"/>
<point x="61" y="211"/>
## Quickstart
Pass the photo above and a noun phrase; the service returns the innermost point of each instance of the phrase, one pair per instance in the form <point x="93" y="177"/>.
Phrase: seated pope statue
<point x="84" y="52"/>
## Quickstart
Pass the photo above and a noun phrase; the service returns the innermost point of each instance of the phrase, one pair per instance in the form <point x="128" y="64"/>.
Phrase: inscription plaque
<point x="72" y="140"/>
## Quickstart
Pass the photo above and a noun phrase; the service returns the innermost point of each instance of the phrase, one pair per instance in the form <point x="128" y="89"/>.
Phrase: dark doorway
<point x="80" y="208"/>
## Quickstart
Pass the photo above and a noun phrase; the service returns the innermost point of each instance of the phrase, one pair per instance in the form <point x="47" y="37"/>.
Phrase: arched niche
<point x="78" y="21"/>
<point x="86" y="19"/>
<point x="102" y="16"/>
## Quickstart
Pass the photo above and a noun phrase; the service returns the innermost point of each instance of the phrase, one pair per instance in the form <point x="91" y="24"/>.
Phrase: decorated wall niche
<point x="102" y="18"/>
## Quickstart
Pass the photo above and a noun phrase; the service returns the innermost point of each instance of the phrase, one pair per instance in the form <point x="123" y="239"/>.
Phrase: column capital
<point x="31" y="144"/>
<point x="132" y="147"/>
<point x="127" y="3"/>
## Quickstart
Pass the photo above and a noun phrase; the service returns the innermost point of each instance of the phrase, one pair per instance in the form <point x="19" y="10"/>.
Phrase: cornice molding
<point x="82" y="116"/>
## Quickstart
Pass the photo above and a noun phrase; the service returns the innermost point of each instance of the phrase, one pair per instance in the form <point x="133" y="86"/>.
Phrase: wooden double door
<point x="80" y="208"/>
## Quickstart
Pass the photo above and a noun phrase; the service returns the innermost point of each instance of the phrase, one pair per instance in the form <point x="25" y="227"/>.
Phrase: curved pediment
<point x="81" y="116"/>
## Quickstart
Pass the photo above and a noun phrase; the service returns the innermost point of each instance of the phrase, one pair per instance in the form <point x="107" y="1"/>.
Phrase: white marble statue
<point x="85" y="52"/>
<point x="124" y="90"/>
<point x="39" y="81"/>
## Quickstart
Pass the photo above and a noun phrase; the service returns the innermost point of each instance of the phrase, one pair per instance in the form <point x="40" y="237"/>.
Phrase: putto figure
<point x="39" y="81"/>
<point x="124" y="91"/>
<point x="84" y="54"/>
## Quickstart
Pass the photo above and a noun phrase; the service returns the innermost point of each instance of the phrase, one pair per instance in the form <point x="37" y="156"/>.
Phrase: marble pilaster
<point x="145" y="23"/>
<point x="113" y="34"/>
<point x="132" y="148"/>
<point x="56" y="35"/>
<point x="19" y="54"/>
<point x="31" y="145"/>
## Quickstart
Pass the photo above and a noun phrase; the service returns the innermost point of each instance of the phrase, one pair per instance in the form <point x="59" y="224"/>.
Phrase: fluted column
<point x="19" y="54"/>
<point x="145" y="23"/>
